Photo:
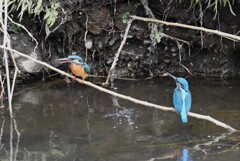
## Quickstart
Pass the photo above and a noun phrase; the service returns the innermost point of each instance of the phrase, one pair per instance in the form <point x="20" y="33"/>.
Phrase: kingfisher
<point x="77" y="65"/>
<point x="182" y="98"/>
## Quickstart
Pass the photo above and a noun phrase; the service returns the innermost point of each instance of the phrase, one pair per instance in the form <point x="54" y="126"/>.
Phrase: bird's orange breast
<point x="78" y="70"/>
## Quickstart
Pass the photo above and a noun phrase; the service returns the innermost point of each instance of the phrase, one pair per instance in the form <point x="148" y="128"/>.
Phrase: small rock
<point x="89" y="43"/>
<point x="109" y="61"/>
<point x="174" y="54"/>
<point x="106" y="39"/>
<point x="29" y="66"/>
<point x="59" y="49"/>
<point x="166" y="48"/>
<point x="146" y="42"/>
<point x="113" y="40"/>
<point x="100" y="44"/>
<point x="167" y="61"/>
<point x="174" y="49"/>
<point x="24" y="43"/>
<point x="128" y="36"/>
<point x="137" y="28"/>
<point x="74" y="52"/>
<point x="150" y="48"/>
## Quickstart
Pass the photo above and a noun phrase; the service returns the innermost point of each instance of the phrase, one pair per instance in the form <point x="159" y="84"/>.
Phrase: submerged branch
<point x="220" y="33"/>
<point x="137" y="101"/>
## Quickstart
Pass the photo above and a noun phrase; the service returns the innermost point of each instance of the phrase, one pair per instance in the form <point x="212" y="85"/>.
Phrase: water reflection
<point x="185" y="155"/>
<point x="74" y="122"/>
<point x="1" y="132"/>
<point x="179" y="154"/>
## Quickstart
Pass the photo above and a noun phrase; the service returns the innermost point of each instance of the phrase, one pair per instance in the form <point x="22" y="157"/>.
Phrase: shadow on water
<point x="71" y="122"/>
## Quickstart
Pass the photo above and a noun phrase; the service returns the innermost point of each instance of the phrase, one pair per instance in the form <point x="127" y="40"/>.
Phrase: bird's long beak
<point x="63" y="60"/>
<point x="175" y="78"/>
<point x="172" y="76"/>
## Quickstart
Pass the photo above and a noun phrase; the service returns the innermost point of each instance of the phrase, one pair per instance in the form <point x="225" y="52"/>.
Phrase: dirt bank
<point x="98" y="26"/>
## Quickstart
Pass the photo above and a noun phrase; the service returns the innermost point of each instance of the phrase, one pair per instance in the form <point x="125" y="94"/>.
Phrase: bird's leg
<point x="74" y="78"/>
<point x="81" y="81"/>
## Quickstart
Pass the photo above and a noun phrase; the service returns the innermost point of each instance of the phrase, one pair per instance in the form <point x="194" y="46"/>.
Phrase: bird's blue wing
<point x="86" y="68"/>
<point x="183" y="112"/>
<point x="188" y="101"/>
<point x="178" y="103"/>
<point x="177" y="100"/>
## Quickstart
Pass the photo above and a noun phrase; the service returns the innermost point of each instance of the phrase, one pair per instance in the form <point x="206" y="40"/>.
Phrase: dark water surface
<point x="74" y="122"/>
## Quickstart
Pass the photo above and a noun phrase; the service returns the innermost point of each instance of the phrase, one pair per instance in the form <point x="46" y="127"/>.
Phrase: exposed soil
<point x="206" y="54"/>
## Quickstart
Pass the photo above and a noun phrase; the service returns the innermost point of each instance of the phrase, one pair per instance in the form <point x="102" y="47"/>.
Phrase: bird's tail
<point x="184" y="117"/>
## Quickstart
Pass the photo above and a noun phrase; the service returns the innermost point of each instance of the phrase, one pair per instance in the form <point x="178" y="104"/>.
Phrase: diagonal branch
<point x="137" y="101"/>
<point x="118" y="52"/>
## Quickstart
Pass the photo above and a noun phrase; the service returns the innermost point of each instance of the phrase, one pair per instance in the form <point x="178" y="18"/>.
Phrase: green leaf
<point x="125" y="17"/>
<point x="38" y="7"/>
<point x="23" y="8"/>
<point x="47" y="14"/>
<point x="158" y="37"/>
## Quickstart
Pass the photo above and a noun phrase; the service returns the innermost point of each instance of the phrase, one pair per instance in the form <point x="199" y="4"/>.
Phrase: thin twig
<point x="5" y="43"/>
<point x="118" y="52"/>
<point x="2" y="93"/>
<point x="48" y="31"/>
<point x="174" y="38"/>
<point x="187" y="69"/>
<point x="13" y="83"/>
<point x="224" y="34"/>
<point x="137" y="101"/>
<point x="85" y="35"/>
<point x="1" y="131"/>
<point x="177" y="41"/>
<point x="24" y="28"/>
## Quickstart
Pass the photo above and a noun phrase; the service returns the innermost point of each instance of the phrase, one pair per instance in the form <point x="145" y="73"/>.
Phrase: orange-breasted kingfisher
<point x="77" y="65"/>
<point x="182" y="98"/>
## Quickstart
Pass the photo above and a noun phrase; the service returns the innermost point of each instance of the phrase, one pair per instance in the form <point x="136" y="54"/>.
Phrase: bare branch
<point x="24" y="28"/>
<point x="2" y="93"/>
<point x="5" y="43"/>
<point x="187" y="69"/>
<point x="85" y="36"/>
<point x="118" y="52"/>
<point x="137" y="101"/>
<point x="224" y="34"/>
<point x="48" y="31"/>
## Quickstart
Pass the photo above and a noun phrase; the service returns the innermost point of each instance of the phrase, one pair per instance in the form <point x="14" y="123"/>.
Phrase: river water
<point x="74" y="122"/>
